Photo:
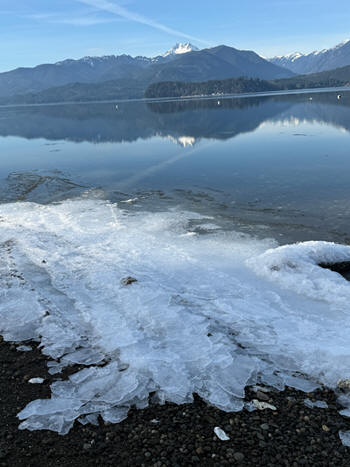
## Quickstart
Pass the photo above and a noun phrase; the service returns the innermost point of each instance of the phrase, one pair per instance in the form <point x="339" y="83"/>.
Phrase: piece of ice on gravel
<point x="263" y="405"/>
<point x="36" y="381"/>
<point x="263" y="389"/>
<point x="221" y="434"/>
<point x="92" y="419"/>
<point x="301" y="384"/>
<point x="344" y="401"/>
<point x="345" y="437"/>
<point x="318" y="404"/>
<point x="24" y="348"/>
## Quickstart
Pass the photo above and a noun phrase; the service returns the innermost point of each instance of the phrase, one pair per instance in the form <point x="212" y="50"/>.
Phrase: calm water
<point x="276" y="165"/>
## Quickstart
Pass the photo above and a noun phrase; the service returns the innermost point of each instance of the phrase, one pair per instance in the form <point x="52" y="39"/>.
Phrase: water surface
<point x="274" y="164"/>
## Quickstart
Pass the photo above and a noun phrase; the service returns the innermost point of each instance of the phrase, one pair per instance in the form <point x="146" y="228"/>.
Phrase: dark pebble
<point x="262" y="396"/>
<point x="128" y="280"/>
<point x="239" y="457"/>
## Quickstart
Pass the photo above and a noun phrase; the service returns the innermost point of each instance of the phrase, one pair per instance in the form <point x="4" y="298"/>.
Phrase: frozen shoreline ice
<point x="209" y="314"/>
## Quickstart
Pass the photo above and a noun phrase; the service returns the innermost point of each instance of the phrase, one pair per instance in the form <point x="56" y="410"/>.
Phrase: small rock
<point x="48" y="441"/>
<point x="262" y="396"/>
<point x="239" y="457"/>
<point x="263" y="405"/>
<point x="209" y="419"/>
<point x="325" y="428"/>
<point x="128" y="280"/>
<point x="265" y="427"/>
<point x="344" y="384"/>
<point x="86" y="446"/>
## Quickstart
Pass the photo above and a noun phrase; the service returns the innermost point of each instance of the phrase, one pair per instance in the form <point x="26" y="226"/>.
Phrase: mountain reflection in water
<point x="184" y="122"/>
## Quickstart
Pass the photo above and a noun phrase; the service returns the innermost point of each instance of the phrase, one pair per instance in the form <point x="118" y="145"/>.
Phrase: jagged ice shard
<point x="209" y="314"/>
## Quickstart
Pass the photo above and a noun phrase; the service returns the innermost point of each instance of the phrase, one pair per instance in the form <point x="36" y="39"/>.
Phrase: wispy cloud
<point x="123" y="12"/>
<point x="80" y="20"/>
<point x="39" y="16"/>
<point x="86" y="21"/>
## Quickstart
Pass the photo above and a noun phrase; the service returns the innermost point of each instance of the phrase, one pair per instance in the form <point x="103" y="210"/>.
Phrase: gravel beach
<point x="170" y="435"/>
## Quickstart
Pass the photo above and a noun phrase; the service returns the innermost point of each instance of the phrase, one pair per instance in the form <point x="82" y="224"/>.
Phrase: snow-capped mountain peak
<point x="181" y="48"/>
<point x="316" y="61"/>
<point x="294" y="56"/>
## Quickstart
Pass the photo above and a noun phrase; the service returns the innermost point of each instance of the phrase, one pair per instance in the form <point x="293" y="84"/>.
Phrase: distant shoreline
<point x="188" y="98"/>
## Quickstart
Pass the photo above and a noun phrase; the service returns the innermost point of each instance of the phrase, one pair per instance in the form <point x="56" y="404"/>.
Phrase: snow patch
<point x="181" y="48"/>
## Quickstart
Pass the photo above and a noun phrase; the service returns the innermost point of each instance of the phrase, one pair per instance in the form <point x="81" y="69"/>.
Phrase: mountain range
<point x="184" y="62"/>
<point x="323" y="60"/>
<point x="123" y="76"/>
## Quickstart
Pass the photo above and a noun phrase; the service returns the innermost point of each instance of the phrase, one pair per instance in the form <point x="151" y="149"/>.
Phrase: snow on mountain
<point x="93" y="61"/>
<point x="181" y="48"/>
<point x="219" y="62"/>
<point x="178" y="49"/>
<point x="294" y="56"/>
<point x="316" y="61"/>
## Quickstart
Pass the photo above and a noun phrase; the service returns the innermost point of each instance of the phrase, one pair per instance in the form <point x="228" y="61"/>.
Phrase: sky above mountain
<point x="42" y="31"/>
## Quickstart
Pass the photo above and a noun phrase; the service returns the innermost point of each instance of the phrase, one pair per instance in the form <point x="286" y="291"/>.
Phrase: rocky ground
<point x="170" y="435"/>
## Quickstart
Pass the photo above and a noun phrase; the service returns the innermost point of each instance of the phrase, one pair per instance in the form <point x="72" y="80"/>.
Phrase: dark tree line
<point x="207" y="88"/>
<point x="332" y="78"/>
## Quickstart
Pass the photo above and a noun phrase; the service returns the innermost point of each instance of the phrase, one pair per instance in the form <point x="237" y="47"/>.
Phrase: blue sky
<point x="44" y="31"/>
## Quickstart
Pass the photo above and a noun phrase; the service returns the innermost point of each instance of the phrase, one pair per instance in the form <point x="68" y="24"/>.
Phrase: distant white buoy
<point x="116" y="107"/>
<point x="310" y="98"/>
<point x="339" y="97"/>
<point x="219" y="102"/>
